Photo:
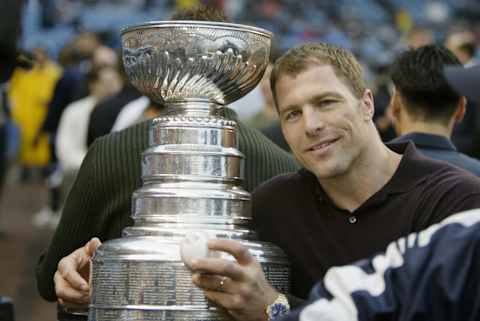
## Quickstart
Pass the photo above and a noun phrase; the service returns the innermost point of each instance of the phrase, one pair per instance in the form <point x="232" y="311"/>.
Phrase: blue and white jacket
<point x="431" y="275"/>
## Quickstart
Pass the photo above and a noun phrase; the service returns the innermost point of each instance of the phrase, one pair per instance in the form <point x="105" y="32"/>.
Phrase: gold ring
<point x="222" y="283"/>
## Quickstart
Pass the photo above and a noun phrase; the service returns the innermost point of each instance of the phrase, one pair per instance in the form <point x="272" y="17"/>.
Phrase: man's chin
<point x="326" y="173"/>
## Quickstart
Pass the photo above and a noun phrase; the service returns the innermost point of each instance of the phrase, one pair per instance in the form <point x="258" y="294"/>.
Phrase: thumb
<point x="92" y="245"/>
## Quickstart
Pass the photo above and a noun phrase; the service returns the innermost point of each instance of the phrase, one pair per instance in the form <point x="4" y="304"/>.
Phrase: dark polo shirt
<point x="441" y="148"/>
<point x="293" y="212"/>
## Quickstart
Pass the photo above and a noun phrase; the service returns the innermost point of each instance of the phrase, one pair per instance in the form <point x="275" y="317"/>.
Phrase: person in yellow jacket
<point x="30" y="92"/>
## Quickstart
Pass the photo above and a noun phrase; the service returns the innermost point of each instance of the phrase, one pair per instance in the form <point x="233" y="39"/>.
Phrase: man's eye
<point x="292" y="115"/>
<point x="325" y="102"/>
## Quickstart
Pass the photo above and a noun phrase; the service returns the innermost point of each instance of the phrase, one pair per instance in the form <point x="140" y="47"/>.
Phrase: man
<point x="425" y="108"/>
<point x="432" y="275"/>
<point x="99" y="203"/>
<point x="353" y="196"/>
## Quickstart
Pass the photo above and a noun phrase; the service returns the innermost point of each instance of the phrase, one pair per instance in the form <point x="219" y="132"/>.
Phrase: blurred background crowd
<point x="46" y="110"/>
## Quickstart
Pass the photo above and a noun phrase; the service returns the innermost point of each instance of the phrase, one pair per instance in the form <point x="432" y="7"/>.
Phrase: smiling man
<point x="352" y="197"/>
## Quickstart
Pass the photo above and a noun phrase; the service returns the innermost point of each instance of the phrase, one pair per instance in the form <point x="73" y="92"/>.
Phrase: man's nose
<point x="313" y="121"/>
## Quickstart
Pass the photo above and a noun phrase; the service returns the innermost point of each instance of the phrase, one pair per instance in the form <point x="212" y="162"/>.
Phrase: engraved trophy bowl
<point x="176" y="61"/>
<point x="192" y="171"/>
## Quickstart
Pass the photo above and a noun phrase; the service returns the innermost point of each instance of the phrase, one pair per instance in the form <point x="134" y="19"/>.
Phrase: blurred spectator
<point x="67" y="89"/>
<point x="463" y="44"/>
<point x="104" y="115"/>
<point x="104" y="56"/>
<point x="86" y="43"/>
<point x="72" y="130"/>
<point x="425" y="107"/>
<point x="71" y="138"/>
<point x="77" y="59"/>
<point x="30" y="93"/>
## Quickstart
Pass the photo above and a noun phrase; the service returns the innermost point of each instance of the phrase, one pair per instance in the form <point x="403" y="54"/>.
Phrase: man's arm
<point x="99" y="203"/>
<point x="80" y="221"/>
<point x="431" y="275"/>
<point x="72" y="279"/>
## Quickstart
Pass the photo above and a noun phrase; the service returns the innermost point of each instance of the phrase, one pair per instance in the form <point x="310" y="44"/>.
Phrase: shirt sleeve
<point x="81" y="220"/>
<point x="431" y="275"/>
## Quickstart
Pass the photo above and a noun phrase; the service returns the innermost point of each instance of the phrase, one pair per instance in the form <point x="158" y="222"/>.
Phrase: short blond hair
<point x="298" y="59"/>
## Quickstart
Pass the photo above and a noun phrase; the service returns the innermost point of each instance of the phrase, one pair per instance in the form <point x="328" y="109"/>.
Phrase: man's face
<point x="325" y="125"/>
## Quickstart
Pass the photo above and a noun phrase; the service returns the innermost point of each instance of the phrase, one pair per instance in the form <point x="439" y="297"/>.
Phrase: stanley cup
<point x="192" y="171"/>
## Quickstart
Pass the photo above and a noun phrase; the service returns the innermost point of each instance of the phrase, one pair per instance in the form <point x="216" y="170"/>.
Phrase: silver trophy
<point x="191" y="172"/>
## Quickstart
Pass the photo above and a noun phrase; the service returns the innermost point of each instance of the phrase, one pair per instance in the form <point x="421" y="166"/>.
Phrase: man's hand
<point x="72" y="284"/>
<point x="239" y="287"/>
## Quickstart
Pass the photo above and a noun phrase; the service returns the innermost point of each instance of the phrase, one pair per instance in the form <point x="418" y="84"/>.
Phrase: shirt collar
<point x="424" y="140"/>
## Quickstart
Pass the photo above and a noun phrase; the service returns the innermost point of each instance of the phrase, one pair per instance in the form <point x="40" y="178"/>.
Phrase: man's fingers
<point x="67" y="293"/>
<point x="220" y="267"/>
<point x="69" y="268"/>
<point x="235" y="248"/>
<point x="227" y="301"/>
<point x="214" y="283"/>
<point x="91" y="246"/>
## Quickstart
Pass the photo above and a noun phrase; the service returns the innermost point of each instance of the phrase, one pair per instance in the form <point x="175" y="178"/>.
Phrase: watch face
<point x="277" y="309"/>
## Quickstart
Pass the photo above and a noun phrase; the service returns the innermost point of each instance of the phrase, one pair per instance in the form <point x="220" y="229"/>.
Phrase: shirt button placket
<point x="352" y="219"/>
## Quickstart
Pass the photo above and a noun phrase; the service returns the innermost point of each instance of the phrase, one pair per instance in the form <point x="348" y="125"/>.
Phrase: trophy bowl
<point x="175" y="61"/>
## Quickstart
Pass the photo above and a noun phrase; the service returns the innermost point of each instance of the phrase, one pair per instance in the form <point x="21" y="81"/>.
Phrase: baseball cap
<point x="464" y="80"/>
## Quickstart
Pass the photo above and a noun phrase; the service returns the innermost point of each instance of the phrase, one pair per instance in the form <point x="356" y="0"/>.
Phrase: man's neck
<point x="370" y="173"/>
<point x="431" y="128"/>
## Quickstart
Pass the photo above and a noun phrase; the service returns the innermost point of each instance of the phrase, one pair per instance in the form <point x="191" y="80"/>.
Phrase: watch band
<point x="279" y="307"/>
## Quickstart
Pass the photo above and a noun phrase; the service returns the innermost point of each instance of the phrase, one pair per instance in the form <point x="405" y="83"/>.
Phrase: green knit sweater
<point x="99" y="202"/>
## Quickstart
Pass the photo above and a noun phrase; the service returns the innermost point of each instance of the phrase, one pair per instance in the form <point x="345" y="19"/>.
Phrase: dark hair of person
<point x="200" y="13"/>
<point x="418" y="77"/>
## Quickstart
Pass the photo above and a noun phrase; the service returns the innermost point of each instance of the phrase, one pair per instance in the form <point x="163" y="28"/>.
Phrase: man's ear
<point x="461" y="109"/>
<point x="395" y="106"/>
<point x="368" y="104"/>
